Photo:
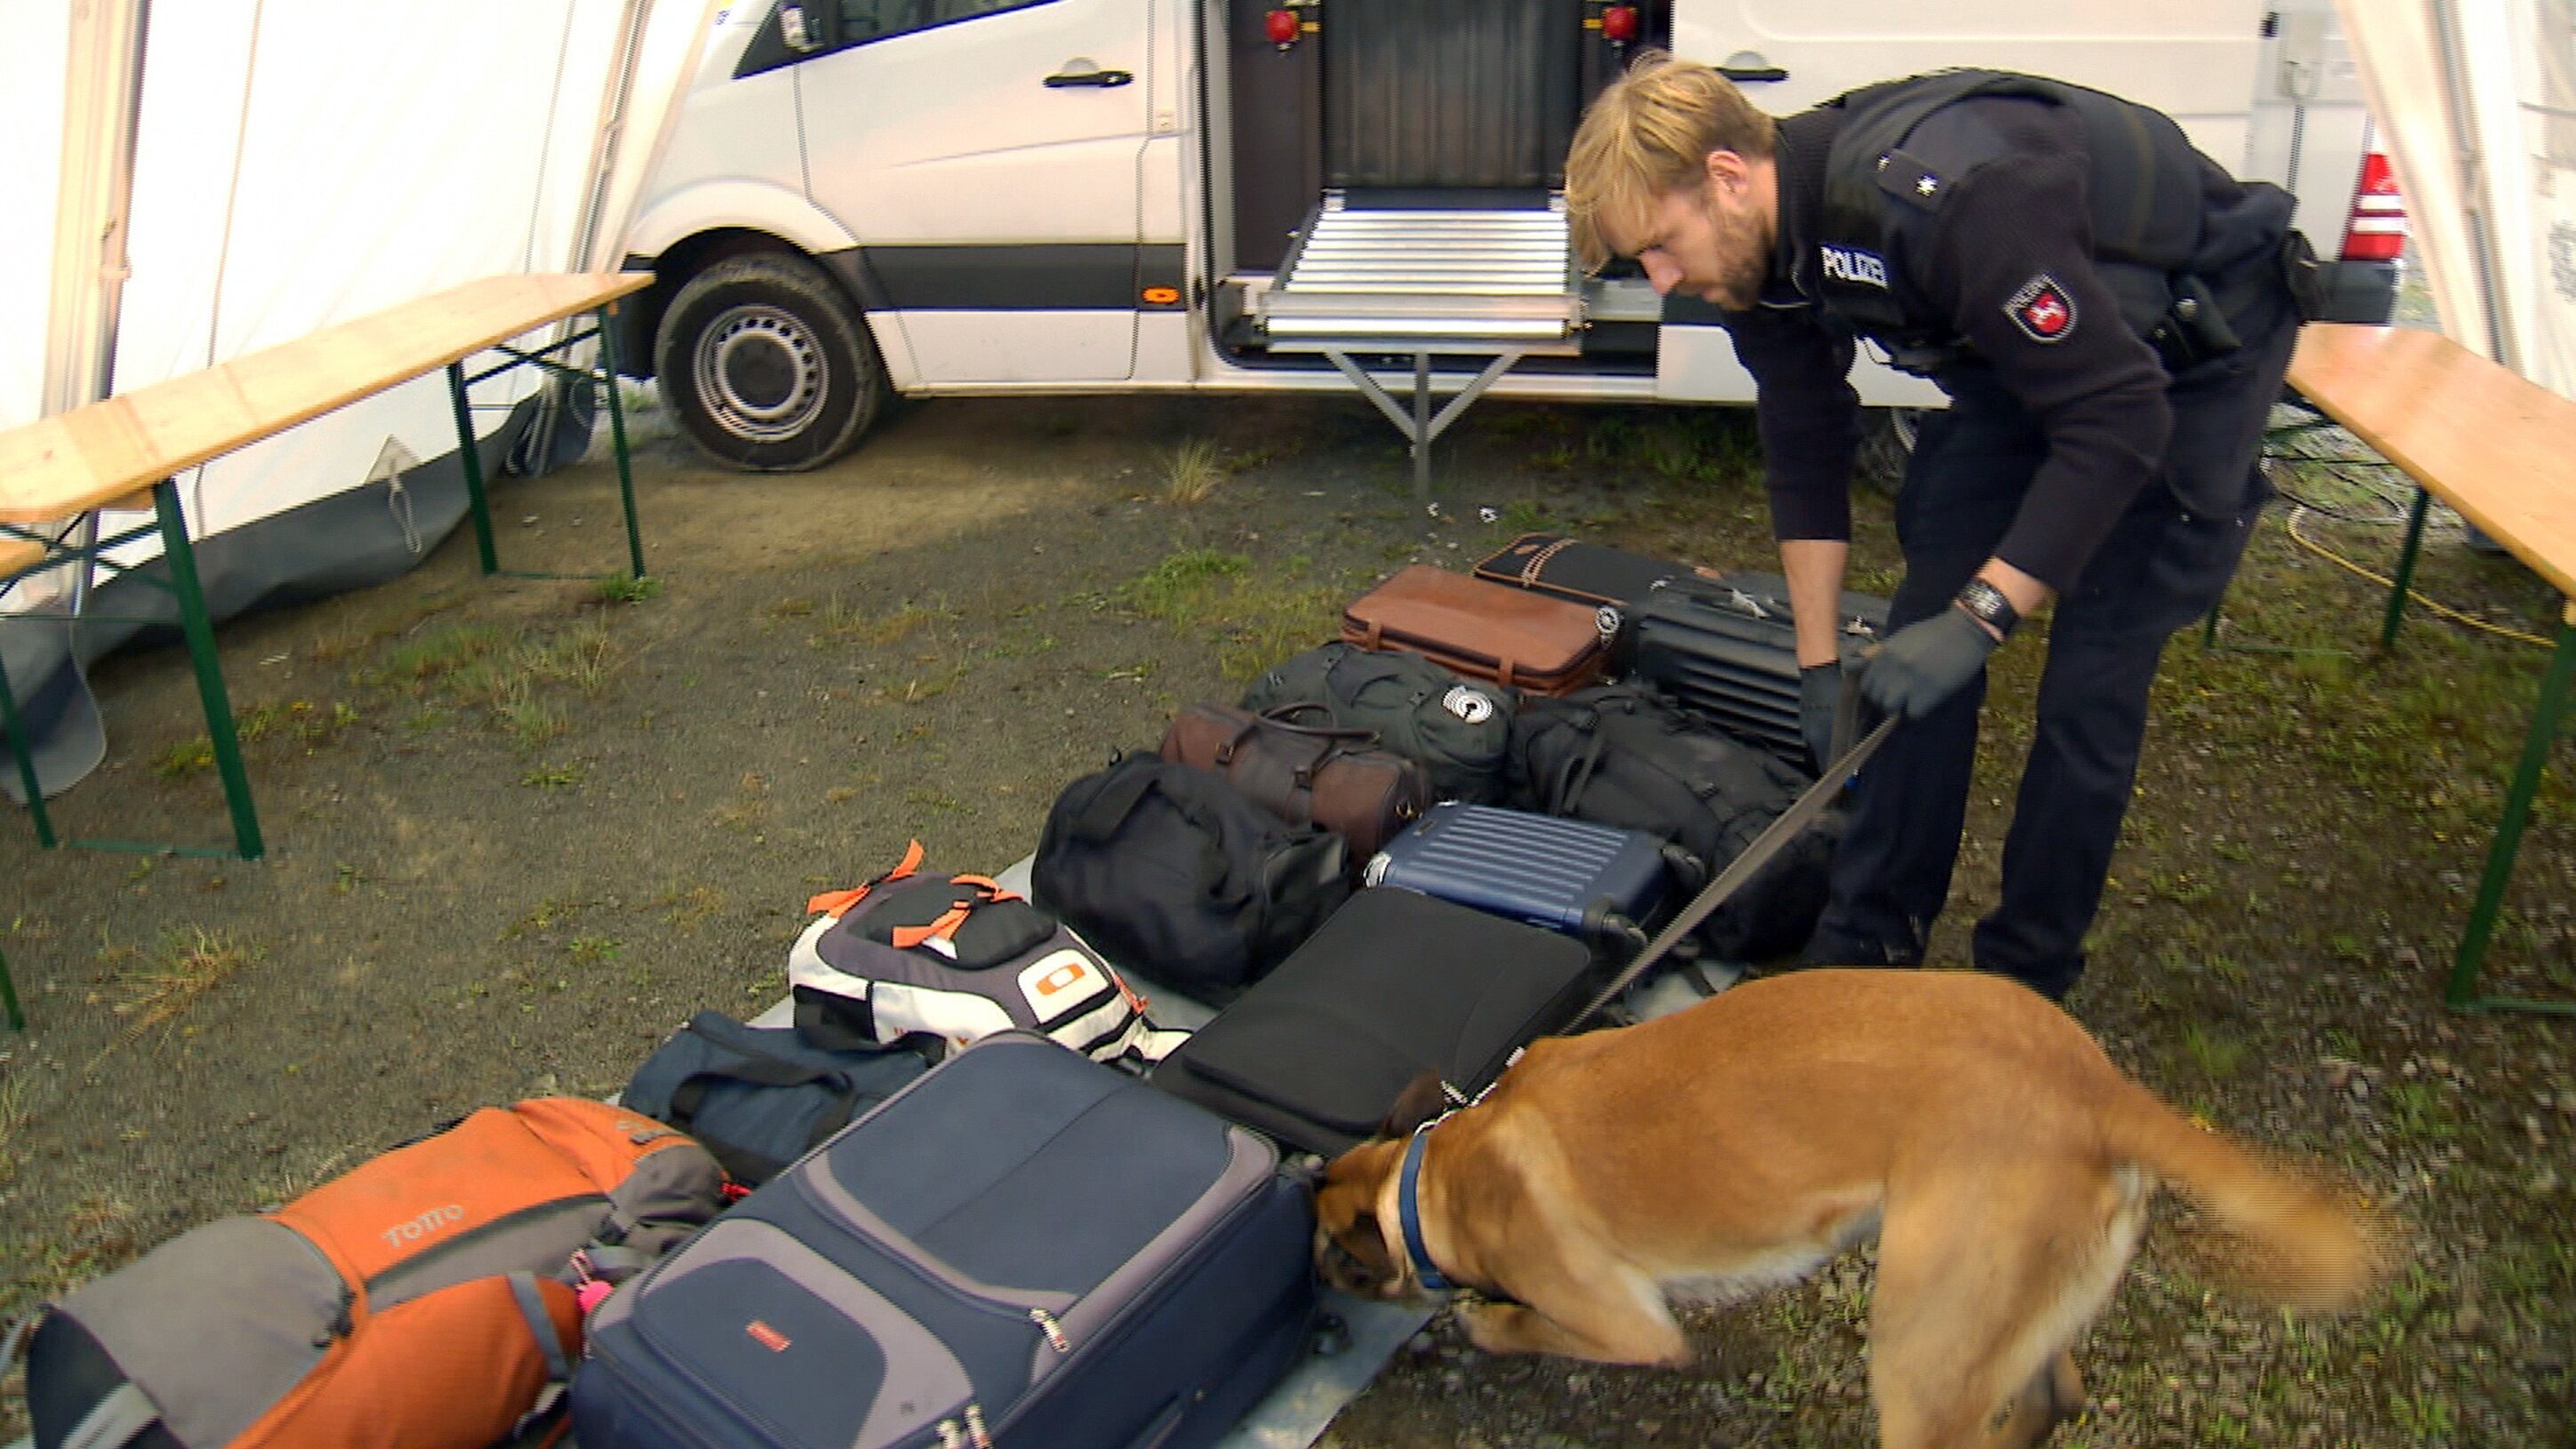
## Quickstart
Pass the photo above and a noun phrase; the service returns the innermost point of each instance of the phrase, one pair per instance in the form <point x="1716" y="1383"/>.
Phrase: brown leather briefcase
<point x="1513" y="637"/>
<point x="1305" y="774"/>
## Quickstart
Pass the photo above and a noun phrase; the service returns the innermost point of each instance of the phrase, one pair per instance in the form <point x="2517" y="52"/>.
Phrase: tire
<point x="1886" y="446"/>
<point x="766" y="367"/>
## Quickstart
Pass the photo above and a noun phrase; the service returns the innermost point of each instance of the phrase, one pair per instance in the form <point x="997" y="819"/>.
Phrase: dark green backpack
<point x="1459" y="729"/>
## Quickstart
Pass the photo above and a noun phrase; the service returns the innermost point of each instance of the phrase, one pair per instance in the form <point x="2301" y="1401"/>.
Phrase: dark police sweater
<point x="2096" y="392"/>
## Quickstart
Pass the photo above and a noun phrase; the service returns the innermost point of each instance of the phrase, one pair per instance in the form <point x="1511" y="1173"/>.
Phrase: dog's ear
<point x="1421" y="1100"/>
<point x="1350" y="1246"/>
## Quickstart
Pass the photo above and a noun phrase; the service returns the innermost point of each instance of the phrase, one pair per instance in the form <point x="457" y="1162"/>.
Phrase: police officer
<point x="2110" y="315"/>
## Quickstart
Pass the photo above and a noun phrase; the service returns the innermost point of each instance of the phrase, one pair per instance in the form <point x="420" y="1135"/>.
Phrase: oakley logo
<point x="424" y="1225"/>
<point x="1850" y="264"/>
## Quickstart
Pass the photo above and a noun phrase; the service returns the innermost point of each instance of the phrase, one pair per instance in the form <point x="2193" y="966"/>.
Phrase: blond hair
<point x="1649" y="132"/>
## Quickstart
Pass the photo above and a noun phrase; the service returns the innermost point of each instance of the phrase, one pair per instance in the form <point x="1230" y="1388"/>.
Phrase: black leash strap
<point x="1769" y="843"/>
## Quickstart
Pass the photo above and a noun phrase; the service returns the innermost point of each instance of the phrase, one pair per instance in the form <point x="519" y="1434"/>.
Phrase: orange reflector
<point x="1162" y="296"/>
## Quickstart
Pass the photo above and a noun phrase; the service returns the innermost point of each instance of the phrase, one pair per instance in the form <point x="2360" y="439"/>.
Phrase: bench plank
<point x="2494" y="445"/>
<point x="99" y="454"/>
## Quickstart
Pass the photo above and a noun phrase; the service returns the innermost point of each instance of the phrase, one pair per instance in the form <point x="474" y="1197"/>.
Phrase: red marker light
<point x="1619" y="24"/>
<point x="1280" y="26"/>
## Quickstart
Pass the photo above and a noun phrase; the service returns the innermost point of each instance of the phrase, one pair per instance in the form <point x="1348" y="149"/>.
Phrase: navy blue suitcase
<point x="1598" y="883"/>
<point x="1022" y="1248"/>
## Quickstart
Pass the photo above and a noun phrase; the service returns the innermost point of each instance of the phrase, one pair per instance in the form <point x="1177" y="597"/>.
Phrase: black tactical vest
<point x="1888" y="173"/>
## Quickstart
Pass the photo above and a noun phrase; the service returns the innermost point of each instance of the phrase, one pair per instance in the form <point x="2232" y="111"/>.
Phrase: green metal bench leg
<point x="617" y="434"/>
<point x="24" y="752"/>
<point x="472" y="458"/>
<point x="2405" y="569"/>
<point x="210" y="675"/>
<point x="2463" y="990"/>
<point x="9" y="996"/>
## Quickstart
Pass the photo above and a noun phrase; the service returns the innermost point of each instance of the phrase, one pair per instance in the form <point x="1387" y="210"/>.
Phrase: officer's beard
<point x="1743" y="257"/>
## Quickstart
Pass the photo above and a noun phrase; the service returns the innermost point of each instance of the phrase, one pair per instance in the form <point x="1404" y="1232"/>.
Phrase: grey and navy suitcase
<point x="1599" y="883"/>
<point x="1021" y="1248"/>
<point x="1395" y="984"/>
<point x="1726" y="651"/>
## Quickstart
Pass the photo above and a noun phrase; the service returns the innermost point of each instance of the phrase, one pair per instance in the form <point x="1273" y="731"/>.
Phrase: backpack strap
<point x="115" y="1421"/>
<point x="541" y="1327"/>
<point x="982" y="891"/>
<point x="838" y="903"/>
<point x="111" y="1423"/>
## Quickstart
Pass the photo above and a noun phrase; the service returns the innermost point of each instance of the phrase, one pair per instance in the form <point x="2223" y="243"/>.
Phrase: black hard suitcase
<point x="1587" y="573"/>
<point x="1395" y="984"/>
<point x="1597" y="883"/>
<point x="1612" y="580"/>
<point x="1727" y="653"/>
<point x="1021" y="1248"/>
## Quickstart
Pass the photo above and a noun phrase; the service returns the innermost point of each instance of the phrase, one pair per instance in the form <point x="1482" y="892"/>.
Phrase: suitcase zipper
<point x="1092" y="1345"/>
<point x="1053" y="1330"/>
<point x="1044" y="1321"/>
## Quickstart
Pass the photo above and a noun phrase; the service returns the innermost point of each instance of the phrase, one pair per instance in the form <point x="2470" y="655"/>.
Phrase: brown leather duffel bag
<point x="1305" y="774"/>
<point x="1511" y="637"/>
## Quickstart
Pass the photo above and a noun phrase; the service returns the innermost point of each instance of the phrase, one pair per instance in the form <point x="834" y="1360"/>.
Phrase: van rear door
<point x="986" y="154"/>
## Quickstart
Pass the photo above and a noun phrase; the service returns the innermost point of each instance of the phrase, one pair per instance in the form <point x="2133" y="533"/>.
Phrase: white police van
<point x="945" y="197"/>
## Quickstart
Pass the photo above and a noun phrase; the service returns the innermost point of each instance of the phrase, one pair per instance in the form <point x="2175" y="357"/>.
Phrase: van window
<point x="866" y="20"/>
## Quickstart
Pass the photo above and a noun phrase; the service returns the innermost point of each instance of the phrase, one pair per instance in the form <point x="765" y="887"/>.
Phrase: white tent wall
<point x="299" y="163"/>
<point x="2478" y="101"/>
<point x="2520" y="75"/>
<point x="33" y="68"/>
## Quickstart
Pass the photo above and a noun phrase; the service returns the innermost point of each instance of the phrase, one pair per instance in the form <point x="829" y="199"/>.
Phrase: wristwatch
<point x="1987" y="605"/>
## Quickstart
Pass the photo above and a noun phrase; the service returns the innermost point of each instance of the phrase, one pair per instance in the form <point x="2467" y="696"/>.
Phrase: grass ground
<point x="522" y="829"/>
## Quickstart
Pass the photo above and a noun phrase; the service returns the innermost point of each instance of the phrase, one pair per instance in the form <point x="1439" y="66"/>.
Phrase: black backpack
<point x="1179" y="877"/>
<point x="760" y="1097"/>
<point x="1458" y="729"/>
<point x="1619" y="755"/>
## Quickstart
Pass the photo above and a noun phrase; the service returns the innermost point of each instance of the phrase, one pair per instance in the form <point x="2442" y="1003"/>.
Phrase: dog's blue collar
<point x="1408" y="1210"/>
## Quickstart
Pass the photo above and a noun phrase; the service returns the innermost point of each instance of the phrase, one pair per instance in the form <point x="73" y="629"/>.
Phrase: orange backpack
<point x="431" y="1299"/>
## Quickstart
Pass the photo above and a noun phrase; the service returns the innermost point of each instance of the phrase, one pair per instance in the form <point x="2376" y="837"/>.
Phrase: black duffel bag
<point x="760" y="1097"/>
<point x="1457" y="729"/>
<point x="1620" y="755"/>
<point x="1177" y="876"/>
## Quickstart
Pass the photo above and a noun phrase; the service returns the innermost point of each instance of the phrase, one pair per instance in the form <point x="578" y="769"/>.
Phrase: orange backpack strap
<point x="838" y="903"/>
<point x="981" y="891"/>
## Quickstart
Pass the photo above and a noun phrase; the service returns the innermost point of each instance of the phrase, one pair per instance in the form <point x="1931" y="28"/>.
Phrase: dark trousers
<point x="2165" y="564"/>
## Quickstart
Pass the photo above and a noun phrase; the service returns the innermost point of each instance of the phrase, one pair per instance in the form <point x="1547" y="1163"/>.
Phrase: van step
<point x="1421" y="280"/>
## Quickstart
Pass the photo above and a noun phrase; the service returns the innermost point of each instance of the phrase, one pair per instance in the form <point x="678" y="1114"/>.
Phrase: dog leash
<point x="1769" y="843"/>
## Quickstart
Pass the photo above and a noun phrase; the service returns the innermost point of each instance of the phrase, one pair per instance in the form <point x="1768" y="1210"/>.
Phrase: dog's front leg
<point x="1623" y="1320"/>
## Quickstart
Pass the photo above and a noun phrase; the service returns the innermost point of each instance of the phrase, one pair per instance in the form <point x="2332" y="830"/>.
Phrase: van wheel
<point x="766" y="367"/>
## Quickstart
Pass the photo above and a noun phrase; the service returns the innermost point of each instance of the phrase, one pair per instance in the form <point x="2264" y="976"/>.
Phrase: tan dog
<point x="2001" y="1159"/>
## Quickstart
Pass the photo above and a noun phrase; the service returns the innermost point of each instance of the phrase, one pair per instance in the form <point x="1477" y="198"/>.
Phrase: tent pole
<point x="2472" y="156"/>
<point x="115" y="198"/>
<point x="603" y="156"/>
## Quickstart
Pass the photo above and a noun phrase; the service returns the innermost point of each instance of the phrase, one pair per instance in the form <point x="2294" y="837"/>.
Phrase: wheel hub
<point x="761" y="372"/>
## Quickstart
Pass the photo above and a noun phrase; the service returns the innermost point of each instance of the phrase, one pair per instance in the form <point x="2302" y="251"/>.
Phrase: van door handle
<point x="1746" y="66"/>
<point x="1104" y="79"/>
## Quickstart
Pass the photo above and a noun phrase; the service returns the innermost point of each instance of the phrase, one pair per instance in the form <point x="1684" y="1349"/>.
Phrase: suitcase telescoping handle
<point x="1769" y="843"/>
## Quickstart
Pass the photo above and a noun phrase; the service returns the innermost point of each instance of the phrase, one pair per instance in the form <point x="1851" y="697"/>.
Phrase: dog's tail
<point x="2291" y="1238"/>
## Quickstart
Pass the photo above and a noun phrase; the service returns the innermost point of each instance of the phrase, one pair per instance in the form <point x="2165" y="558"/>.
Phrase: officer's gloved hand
<point x="1925" y="663"/>
<point x="1820" y="693"/>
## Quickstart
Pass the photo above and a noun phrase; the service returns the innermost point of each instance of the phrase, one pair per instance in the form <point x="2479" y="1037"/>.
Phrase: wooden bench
<point x="2502" y="451"/>
<point x="125" y="453"/>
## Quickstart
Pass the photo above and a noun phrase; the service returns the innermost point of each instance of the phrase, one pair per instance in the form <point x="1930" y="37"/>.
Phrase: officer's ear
<point x="1729" y="174"/>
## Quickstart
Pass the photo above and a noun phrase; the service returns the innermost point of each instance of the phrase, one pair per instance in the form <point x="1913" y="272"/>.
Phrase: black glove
<point x="1925" y="663"/>
<point x="1820" y="695"/>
